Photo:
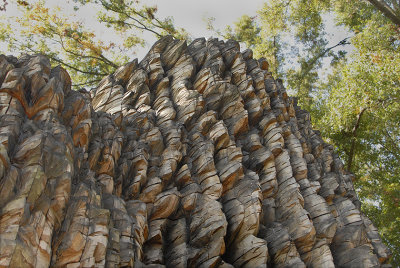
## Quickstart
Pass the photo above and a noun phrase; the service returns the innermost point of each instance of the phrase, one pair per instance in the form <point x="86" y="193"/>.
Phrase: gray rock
<point x="194" y="157"/>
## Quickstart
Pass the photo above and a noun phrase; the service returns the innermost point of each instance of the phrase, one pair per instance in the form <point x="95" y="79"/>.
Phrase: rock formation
<point x="194" y="157"/>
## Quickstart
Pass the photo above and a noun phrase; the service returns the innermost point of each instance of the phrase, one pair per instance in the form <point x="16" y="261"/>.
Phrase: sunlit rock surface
<point x="193" y="157"/>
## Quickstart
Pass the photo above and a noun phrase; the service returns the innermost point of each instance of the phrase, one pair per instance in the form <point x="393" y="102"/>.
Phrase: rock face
<point x="194" y="157"/>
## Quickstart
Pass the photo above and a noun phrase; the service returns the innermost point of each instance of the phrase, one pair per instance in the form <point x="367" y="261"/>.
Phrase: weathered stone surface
<point x="193" y="157"/>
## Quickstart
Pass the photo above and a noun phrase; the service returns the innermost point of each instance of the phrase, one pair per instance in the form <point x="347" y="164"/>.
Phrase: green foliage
<point x="123" y="15"/>
<point x="288" y="33"/>
<point x="66" y="40"/>
<point x="366" y="89"/>
<point x="249" y="31"/>
<point x="357" y="106"/>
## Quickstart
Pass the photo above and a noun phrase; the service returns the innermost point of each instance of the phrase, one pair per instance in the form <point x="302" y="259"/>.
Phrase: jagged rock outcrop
<point x="194" y="157"/>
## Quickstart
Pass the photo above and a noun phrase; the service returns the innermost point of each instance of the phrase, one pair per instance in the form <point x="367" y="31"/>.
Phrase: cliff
<point x="194" y="157"/>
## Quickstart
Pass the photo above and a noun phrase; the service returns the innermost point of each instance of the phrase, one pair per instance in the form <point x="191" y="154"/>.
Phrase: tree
<point x="66" y="41"/>
<point x="124" y="15"/>
<point x="357" y="106"/>
<point x="272" y="35"/>
<point x="362" y="118"/>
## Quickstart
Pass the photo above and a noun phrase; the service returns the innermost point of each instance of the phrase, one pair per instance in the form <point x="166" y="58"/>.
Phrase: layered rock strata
<point x="193" y="157"/>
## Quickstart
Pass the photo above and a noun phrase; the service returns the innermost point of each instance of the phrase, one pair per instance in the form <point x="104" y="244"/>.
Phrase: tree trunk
<point x="387" y="11"/>
<point x="354" y="139"/>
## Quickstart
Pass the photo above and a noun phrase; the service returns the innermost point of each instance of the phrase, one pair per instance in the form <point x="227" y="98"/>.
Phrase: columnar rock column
<point x="193" y="157"/>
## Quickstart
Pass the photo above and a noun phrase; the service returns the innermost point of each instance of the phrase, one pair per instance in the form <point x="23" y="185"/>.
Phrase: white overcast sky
<point x="188" y="14"/>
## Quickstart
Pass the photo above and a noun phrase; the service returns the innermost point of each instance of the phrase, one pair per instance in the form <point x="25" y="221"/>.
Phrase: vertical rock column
<point x="38" y="177"/>
<point x="193" y="157"/>
<point x="336" y="187"/>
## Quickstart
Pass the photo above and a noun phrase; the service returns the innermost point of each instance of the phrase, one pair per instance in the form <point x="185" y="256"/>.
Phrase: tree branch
<point x="142" y="27"/>
<point x="320" y="55"/>
<point x="353" y="139"/>
<point x="74" y="68"/>
<point x="61" y="42"/>
<point x="100" y="57"/>
<point x="393" y="143"/>
<point x="386" y="10"/>
<point x="86" y="83"/>
<point x="22" y="46"/>
<point x="99" y="54"/>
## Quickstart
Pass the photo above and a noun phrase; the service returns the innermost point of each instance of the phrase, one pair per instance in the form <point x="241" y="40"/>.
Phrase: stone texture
<point x="193" y="157"/>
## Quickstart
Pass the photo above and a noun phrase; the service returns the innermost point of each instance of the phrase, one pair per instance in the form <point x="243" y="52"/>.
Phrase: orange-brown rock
<point x="193" y="157"/>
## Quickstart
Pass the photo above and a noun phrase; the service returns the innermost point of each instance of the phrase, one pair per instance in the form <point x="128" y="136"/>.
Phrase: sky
<point x="188" y="14"/>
